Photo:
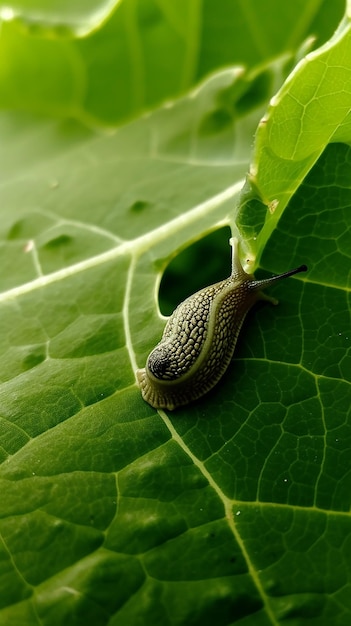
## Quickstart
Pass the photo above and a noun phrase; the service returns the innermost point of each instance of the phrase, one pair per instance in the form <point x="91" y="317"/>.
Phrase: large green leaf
<point x="236" y="508"/>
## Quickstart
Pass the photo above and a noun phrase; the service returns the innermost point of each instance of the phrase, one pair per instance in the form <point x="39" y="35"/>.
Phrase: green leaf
<point x="311" y="110"/>
<point x="58" y="17"/>
<point x="89" y="224"/>
<point x="140" y="54"/>
<point x="235" y="509"/>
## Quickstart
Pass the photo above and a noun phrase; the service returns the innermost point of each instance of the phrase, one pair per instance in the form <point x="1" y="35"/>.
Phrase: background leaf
<point x="144" y="52"/>
<point x="236" y="508"/>
<point x="57" y="17"/>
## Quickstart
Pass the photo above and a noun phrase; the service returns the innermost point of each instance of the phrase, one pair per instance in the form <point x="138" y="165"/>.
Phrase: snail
<point x="199" y="338"/>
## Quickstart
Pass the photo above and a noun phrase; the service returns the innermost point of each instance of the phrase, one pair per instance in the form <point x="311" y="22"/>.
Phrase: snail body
<point x="199" y="338"/>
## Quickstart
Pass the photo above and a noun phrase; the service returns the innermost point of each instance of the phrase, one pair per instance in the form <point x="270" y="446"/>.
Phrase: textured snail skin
<point x="199" y="339"/>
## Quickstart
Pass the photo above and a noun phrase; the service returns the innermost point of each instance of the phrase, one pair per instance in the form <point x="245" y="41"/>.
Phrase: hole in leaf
<point x="29" y="226"/>
<point x="205" y="262"/>
<point x="59" y="242"/>
<point x="139" y="205"/>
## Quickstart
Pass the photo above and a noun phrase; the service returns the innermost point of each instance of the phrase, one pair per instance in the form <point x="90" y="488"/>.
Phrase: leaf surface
<point x="235" y="509"/>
